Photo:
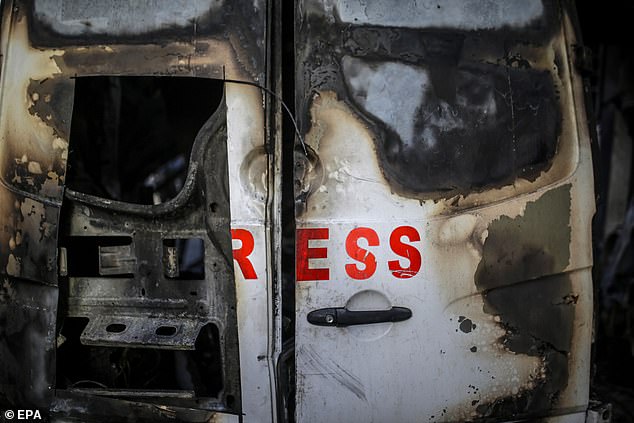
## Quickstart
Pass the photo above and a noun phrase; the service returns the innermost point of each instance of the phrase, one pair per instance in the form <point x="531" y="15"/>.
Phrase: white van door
<point x="444" y="199"/>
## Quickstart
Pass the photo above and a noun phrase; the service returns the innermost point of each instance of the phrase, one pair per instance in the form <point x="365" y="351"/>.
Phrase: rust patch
<point x="522" y="283"/>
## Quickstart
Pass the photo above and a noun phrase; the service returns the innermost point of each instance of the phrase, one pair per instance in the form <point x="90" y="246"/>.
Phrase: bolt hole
<point x="115" y="328"/>
<point x="193" y="293"/>
<point x="165" y="331"/>
<point x="143" y="292"/>
<point x="213" y="207"/>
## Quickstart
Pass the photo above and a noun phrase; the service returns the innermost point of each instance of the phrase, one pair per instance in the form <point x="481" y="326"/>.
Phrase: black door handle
<point x="341" y="316"/>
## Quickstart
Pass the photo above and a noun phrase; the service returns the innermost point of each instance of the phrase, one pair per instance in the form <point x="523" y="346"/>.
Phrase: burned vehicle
<point x="453" y="169"/>
<point x="437" y="161"/>
<point x="118" y="285"/>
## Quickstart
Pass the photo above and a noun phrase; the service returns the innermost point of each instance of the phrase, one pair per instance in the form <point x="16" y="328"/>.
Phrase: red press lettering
<point x="241" y="255"/>
<point x="304" y="253"/>
<point x="404" y="250"/>
<point x="361" y="255"/>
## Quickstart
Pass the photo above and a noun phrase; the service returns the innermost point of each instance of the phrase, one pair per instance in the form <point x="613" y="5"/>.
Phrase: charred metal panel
<point x="463" y="128"/>
<point x="27" y="314"/>
<point x="440" y="100"/>
<point x="524" y="249"/>
<point x="72" y="406"/>
<point x="523" y="281"/>
<point x="56" y="23"/>
<point x="33" y="153"/>
<point x="29" y="238"/>
<point x="461" y="124"/>
<point x="151" y="309"/>
<point x="45" y="45"/>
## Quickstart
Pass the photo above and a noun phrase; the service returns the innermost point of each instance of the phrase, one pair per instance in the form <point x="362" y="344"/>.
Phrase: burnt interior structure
<point x="147" y="300"/>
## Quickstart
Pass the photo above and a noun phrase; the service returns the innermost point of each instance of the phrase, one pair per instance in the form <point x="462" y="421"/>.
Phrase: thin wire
<point x="278" y="98"/>
<point x="270" y="92"/>
<point x="101" y="385"/>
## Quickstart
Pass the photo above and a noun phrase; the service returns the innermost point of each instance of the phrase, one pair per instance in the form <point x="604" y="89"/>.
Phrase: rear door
<point x="444" y="198"/>
<point x="136" y="210"/>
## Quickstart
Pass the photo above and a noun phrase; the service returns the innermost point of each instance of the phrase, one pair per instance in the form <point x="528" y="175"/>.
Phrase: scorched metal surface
<point x="136" y="302"/>
<point x="450" y="174"/>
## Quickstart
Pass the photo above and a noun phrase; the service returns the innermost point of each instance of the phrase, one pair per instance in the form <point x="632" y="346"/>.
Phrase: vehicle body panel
<point x="494" y="263"/>
<point x="442" y="164"/>
<point x="45" y="45"/>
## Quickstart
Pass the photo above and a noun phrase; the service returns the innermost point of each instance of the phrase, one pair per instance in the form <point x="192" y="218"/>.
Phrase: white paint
<point x="245" y="126"/>
<point x="421" y="367"/>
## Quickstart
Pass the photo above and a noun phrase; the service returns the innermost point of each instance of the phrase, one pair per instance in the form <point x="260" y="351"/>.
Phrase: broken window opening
<point x="152" y="284"/>
<point x="132" y="136"/>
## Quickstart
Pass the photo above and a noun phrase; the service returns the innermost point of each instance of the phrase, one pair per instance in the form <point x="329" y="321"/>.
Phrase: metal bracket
<point x="141" y="331"/>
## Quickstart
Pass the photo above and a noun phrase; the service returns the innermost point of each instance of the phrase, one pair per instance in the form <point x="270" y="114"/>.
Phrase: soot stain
<point x="466" y="325"/>
<point x="27" y="313"/>
<point x="522" y="282"/>
<point x="456" y="146"/>
<point x="242" y="23"/>
<point x="52" y="102"/>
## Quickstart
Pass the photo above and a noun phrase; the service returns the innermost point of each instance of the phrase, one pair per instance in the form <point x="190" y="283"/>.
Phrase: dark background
<point x="606" y="28"/>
